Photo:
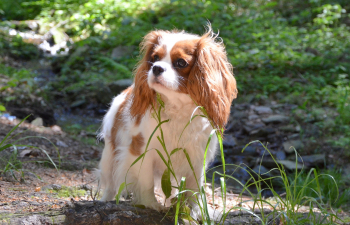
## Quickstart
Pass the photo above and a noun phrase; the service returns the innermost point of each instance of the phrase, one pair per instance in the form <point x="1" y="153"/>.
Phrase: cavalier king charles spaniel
<point x="185" y="71"/>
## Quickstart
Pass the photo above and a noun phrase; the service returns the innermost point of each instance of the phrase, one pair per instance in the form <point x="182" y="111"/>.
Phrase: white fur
<point x="144" y="176"/>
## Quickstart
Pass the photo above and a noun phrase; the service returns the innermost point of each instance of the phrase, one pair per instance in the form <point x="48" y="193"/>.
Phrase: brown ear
<point x="143" y="95"/>
<point x="211" y="82"/>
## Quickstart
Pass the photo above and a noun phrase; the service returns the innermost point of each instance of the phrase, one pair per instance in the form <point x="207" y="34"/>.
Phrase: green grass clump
<point x="12" y="163"/>
<point x="326" y="185"/>
<point x="66" y="192"/>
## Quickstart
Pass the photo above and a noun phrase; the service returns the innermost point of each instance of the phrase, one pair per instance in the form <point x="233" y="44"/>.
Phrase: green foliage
<point x="19" y="86"/>
<point x="15" y="47"/>
<point x="66" y="192"/>
<point x="2" y="108"/>
<point x="323" y="189"/>
<point x="18" y="10"/>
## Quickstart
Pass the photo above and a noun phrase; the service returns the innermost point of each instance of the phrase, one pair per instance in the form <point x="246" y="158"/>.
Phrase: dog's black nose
<point x="157" y="70"/>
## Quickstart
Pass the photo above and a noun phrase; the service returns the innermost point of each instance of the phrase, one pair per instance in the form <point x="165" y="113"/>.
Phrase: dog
<point x="186" y="73"/>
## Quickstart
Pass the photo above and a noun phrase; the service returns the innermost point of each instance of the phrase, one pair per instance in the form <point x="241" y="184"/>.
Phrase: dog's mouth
<point x="159" y="82"/>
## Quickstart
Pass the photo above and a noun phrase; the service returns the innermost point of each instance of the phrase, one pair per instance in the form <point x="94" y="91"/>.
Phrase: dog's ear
<point x="143" y="95"/>
<point x="211" y="82"/>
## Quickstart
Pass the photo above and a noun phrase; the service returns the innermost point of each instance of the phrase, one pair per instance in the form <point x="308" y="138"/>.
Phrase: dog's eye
<point x="181" y="63"/>
<point x="155" y="58"/>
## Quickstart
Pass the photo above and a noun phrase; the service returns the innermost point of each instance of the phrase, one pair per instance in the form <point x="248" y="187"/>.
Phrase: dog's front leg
<point x="141" y="178"/>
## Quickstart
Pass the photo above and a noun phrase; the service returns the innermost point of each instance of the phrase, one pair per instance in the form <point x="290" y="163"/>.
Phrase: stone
<point x="289" y="128"/>
<point x="262" y="171"/>
<point x="288" y="145"/>
<point x="38" y="122"/>
<point x="25" y="153"/>
<point x="253" y="117"/>
<point x="56" y="129"/>
<point x="23" y="204"/>
<point x="280" y="155"/>
<point x="85" y="187"/>
<point x="249" y="150"/>
<point x="61" y="144"/>
<point x="262" y="132"/>
<point x="262" y="110"/>
<point x="313" y="160"/>
<point x="276" y="119"/>
<point x="55" y="187"/>
<point x="238" y="114"/>
<point x="78" y="103"/>
<point x="248" y="127"/>
<point x="290" y="165"/>
<point x="35" y="203"/>
<point x="229" y="141"/>
<point x="78" y="52"/>
<point x="122" y="51"/>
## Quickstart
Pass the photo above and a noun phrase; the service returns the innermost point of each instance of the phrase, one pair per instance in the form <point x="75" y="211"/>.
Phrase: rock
<point x="276" y="119"/>
<point x="84" y="212"/>
<point x="293" y="136"/>
<point x="262" y="132"/>
<point x="261" y="170"/>
<point x="78" y="103"/>
<point x="35" y="109"/>
<point x="56" y="129"/>
<point x="249" y="150"/>
<point x="23" y="204"/>
<point x="85" y="187"/>
<point x="253" y="117"/>
<point x="288" y="146"/>
<point x="236" y="217"/>
<point x="290" y="128"/>
<point x="262" y="110"/>
<point x="290" y="165"/>
<point x="313" y="160"/>
<point x="30" y="174"/>
<point x="61" y="144"/>
<point x="25" y="153"/>
<point x="248" y="127"/>
<point x="35" y="203"/>
<point x="38" y="122"/>
<point x="122" y="51"/>
<point x="229" y="141"/>
<point x="55" y="187"/>
<point x="280" y="155"/>
<point x="78" y="52"/>
<point x="237" y="114"/>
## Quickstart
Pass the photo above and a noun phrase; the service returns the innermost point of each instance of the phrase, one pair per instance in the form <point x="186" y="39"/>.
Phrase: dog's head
<point x="178" y="62"/>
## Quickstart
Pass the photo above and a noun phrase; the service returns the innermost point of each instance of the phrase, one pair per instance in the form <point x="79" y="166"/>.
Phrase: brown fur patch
<point x="211" y="82"/>
<point x="160" y="51"/>
<point x="143" y="95"/>
<point x="136" y="144"/>
<point x="184" y="50"/>
<point x="118" y="121"/>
